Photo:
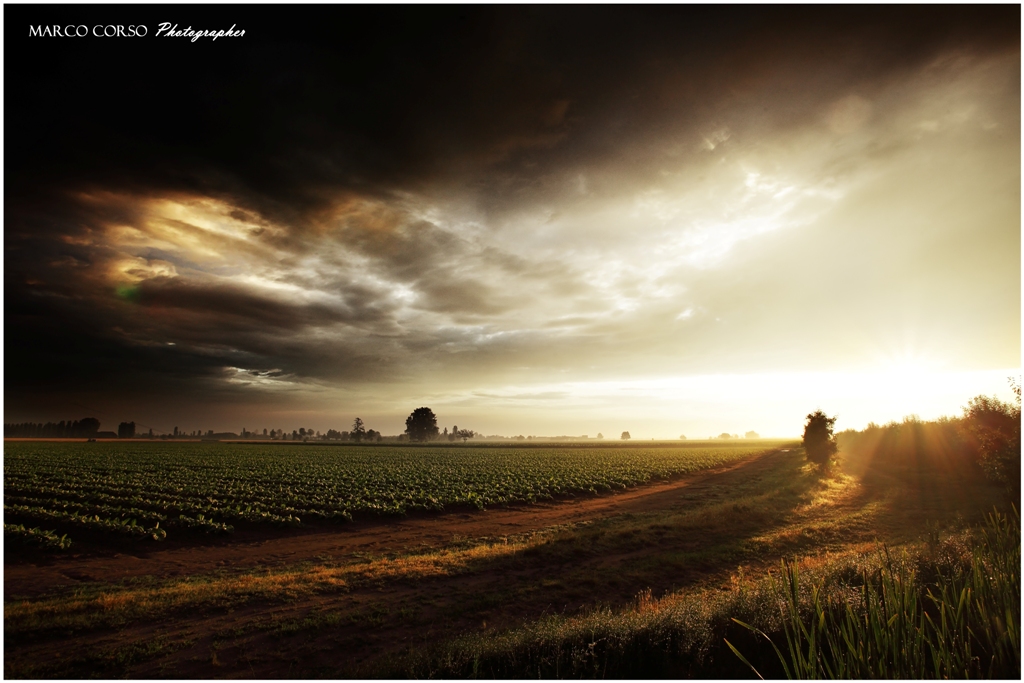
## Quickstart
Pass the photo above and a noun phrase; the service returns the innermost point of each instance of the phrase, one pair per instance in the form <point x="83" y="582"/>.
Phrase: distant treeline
<point x="87" y="427"/>
<point x="986" y="440"/>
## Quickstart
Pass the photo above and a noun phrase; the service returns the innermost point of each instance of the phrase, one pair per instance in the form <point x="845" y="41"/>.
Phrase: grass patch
<point x="116" y="606"/>
<point x="683" y="634"/>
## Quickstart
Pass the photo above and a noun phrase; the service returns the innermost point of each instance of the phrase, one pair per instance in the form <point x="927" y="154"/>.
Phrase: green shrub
<point x="818" y="440"/>
<point x="992" y="429"/>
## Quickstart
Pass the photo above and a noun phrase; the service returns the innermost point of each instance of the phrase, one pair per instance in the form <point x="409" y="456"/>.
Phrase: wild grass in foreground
<point x="963" y="622"/>
<point x="948" y="608"/>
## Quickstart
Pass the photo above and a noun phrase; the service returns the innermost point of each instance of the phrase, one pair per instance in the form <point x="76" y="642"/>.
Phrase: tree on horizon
<point x="358" y="430"/>
<point x="421" y="425"/>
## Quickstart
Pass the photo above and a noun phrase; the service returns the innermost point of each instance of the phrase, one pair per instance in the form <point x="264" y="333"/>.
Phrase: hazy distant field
<point x="151" y="490"/>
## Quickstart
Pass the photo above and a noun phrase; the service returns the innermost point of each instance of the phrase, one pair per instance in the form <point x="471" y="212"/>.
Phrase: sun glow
<point x="772" y="404"/>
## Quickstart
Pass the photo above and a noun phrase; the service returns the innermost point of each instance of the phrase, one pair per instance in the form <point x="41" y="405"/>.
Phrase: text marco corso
<point x="163" y="30"/>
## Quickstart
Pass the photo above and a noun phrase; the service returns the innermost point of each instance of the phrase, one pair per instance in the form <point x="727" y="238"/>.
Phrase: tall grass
<point x="948" y="608"/>
<point x="964" y="623"/>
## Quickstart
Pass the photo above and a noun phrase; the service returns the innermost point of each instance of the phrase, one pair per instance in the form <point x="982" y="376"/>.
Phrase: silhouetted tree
<point x="819" y="442"/>
<point x="625" y="436"/>
<point x="86" y="427"/>
<point x="992" y="428"/>
<point x="126" y="430"/>
<point x="358" y="431"/>
<point x="465" y="434"/>
<point x="421" y="425"/>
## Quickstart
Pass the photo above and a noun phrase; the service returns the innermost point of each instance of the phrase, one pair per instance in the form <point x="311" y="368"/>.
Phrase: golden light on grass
<point x="291" y="583"/>
<point x="832" y="490"/>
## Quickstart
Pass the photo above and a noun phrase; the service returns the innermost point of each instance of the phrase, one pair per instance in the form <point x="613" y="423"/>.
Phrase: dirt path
<point x="30" y="579"/>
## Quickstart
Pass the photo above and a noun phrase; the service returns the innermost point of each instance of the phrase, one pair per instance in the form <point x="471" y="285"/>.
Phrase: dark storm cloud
<point x="155" y="330"/>
<point x="234" y="308"/>
<point x="350" y="194"/>
<point x="128" y="308"/>
<point x="323" y="98"/>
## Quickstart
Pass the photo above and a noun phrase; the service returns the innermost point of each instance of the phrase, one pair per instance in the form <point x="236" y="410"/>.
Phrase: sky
<point x="537" y="220"/>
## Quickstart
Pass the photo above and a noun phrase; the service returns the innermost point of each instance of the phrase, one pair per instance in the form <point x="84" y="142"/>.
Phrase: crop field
<point x="183" y="560"/>
<point x="150" y="490"/>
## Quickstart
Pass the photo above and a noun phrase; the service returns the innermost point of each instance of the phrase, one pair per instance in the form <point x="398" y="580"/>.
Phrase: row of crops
<point x="150" y="490"/>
